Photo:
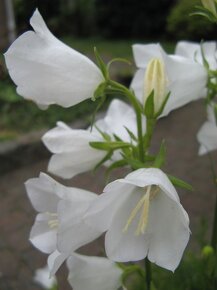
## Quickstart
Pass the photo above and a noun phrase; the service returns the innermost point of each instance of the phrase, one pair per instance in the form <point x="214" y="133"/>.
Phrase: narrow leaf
<point x="149" y="106"/>
<point x="180" y="183"/>
<point x="101" y="64"/>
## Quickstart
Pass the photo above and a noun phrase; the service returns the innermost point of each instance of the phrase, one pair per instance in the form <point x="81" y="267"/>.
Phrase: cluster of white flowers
<point x="141" y="213"/>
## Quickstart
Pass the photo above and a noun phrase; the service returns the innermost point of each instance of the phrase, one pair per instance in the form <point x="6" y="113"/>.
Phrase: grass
<point x="18" y="115"/>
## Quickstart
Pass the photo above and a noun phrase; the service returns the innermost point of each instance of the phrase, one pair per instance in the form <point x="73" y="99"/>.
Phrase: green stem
<point x="148" y="274"/>
<point x="150" y="124"/>
<point x="143" y="145"/>
<point x="137" y="109"/>
<point x="214" y="228"/>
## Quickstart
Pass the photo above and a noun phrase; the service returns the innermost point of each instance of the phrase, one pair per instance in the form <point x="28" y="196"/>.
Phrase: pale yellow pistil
<point x="53" y="222"/>
<point x="143" y="204"/>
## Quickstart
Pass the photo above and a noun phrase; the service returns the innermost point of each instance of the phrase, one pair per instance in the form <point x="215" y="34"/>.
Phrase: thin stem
<point x="150" y="124"/>
<point x="214" y="228"/>
<point x="148" y="274"/>
<point x="137" y="109"/>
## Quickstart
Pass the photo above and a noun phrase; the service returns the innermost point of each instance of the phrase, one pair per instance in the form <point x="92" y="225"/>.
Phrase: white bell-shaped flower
<point x="143" y="217"/>
<point x="93" y="273"/>
<point x="181" y="73"/>
<point x="47" y="71"/>
<point x="59" y="224"/>
<point x="72" y="153"/>
<point x="71" y="149"/>
<point x="192" y="50"/>
<point x="207" y="135"/>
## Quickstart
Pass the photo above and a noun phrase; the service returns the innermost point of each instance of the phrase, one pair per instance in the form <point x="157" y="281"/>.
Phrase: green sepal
<point x="161" y="156"/>
<point x="135" y="164"/>
<point x="205" y="62"/>
<point x="103" y="160"/>
<point x="117" y="138"/>
<point x="149" y="106"/>
<point x="105" y="136"/>
<point x="132" y="136"/>
<point x="180" y="183"/>
<point x="101" y="64"/>
<point x="100" y="91"/>
<point x="109" y="145"/>
<point x="163" y="105"/>
<point x="99" y="105"/>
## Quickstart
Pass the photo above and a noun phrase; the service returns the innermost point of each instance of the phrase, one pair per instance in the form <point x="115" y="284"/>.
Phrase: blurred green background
<point x="110" y="25"/>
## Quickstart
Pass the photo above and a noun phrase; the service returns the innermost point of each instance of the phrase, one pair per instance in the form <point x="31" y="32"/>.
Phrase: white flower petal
<point x="44" y="193"/>
<point x="93" y="273"/>
<point x="67" y="165"/>
<point x="42" y="277"/>
<point x="57" y="74"/>
<point x="150" y="176"/>
<point x="63" y="139"/>
<point x="55" y="260"/>
<point x="73" y="232"/>
<point x="207" y="137"/>
<point x="144" y="53"/>
<point x="126" y="246"/>
<point x="167" y="232"/>
<point x="101" y="211"/>
<point x="192" y="50"/>
<point x="119" y="117"/>
<point x="42" y="236"/>
<point x="182" y="72"/>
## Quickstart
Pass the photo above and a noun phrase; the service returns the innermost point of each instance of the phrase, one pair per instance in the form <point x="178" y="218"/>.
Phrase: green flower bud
<point x="207" y="251"/>
<point x="156" y="81"/>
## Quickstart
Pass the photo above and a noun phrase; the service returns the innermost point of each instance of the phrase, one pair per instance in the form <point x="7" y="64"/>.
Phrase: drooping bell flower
<point x="72" y="153"/>
<point x="47" y="71"/>
<point x="142" y="217"/>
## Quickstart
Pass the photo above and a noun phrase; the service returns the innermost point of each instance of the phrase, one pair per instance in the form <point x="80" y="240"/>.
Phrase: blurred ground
<point x="19" y="260"/>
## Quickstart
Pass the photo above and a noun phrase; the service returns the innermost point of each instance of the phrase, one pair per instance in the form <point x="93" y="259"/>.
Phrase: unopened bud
<point x="210" y="5"/>
<point x="207" y="251"/>
<point x="156" y="81"/>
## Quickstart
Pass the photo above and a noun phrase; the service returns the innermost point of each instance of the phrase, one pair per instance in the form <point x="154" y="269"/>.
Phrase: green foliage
<point x="196" y="272"/>
<point x="183" y="26"/>
<point x="127" y="18"/>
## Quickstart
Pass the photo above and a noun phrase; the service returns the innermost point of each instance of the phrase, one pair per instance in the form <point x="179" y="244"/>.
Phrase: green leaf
<point x="99" y="105"/>
<point x="101" y="64"/>
<point x="109" y="145"/>
<point x="180" y="183"/>
<point x="160" y="158"/>
<point x="100" y="91"/>
<point x="132" y="136"/>
<point x="134" y="163"/>
<point x="103" y="134"/>
<point x="149" y="106"/>
<point x="117" y="138"/>
<point x="205" y="62"/>
<point x="163" y="105"/>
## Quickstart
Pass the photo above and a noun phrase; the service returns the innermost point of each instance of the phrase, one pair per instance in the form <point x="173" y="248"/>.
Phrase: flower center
<point x="143" y="204"/>
<point x="53" y="222"/>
